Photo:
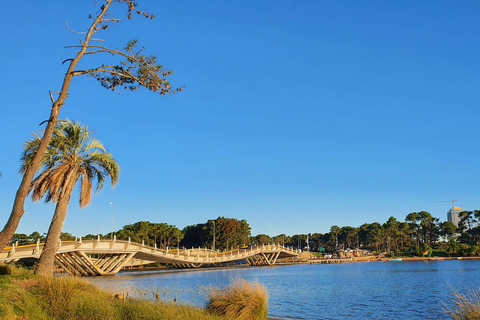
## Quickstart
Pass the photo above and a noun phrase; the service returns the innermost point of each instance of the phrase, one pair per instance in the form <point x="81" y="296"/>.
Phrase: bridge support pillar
<point x="263" y="259"/>
<point x="77" y="263"/>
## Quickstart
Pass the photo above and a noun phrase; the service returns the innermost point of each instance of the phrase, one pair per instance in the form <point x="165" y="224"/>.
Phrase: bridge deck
<point x="111" y="255"/>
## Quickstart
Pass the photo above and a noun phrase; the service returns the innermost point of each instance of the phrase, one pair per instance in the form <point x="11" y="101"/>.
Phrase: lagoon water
<point x="364" y="290"/>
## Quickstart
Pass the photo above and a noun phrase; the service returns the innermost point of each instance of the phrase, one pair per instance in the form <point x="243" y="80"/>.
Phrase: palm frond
<point x="94" y="144"/>
<point x="72" y="155"/>
<point x="85" y="188"/>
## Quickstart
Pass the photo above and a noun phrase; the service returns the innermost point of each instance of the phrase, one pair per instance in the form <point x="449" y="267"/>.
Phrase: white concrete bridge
<point x="107" y="257"/>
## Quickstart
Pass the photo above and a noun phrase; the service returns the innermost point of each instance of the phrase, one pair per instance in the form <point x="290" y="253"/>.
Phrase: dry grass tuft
<point x="467" y="307"/>
<point x="16" y="271"/>
<point x="6" y="269"/>
<point x="25" y="284"/>
<point x="240" y="300"/>
<point x="62" y="295"/>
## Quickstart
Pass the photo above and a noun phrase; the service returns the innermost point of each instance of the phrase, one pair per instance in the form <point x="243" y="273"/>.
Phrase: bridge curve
<point x="107" y="257"/>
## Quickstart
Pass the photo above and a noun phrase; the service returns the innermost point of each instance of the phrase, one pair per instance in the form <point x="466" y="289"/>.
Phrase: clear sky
<point x="296" y="115"/>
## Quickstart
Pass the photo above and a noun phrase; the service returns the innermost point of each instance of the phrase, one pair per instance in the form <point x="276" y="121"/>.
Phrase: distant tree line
<point x="419" y="234"/>
<point x="20" y="239"/>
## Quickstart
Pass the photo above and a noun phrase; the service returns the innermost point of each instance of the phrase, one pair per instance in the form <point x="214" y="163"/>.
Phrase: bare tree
<point x="135" y="70"/>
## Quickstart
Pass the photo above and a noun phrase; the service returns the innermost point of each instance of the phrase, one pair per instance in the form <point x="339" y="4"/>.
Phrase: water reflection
<point x="370" y="290"/>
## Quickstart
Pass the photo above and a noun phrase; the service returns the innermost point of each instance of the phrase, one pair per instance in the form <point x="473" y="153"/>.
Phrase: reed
<point x="240" y="300"/>
<point x="466" y="306"/>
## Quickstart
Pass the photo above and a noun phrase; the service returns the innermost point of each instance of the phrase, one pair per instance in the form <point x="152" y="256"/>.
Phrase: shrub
<point x="240" y="300"/>
<point x="467" y="307"/>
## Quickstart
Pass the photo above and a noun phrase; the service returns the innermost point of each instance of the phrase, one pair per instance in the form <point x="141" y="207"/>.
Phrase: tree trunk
<point x="45" y="264"/>
<point x="22" y="192"/>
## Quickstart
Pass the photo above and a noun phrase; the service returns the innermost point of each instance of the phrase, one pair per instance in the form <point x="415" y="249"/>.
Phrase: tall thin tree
<point x="136" y="70"/>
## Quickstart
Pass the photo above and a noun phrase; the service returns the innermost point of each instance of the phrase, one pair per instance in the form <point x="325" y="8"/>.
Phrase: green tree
<point x="139" y="231"/>
<point x="413" y="218"/>
<point x="66" y="236"/>
<point x="73" y="155"/>
<point x="429" y="228"/>
<point x="164" y="235"/>
<point x="281" y="239"/>
<point x="195" y="235"/>
<point x="373" y="234"/>
<point x="161" y="234"/>
<point x="468" y="220"/>
<point x="261" y="239"/>
<point x="469" y="227"/>
<point x="232" y="233"/>
<point x="229" y="233"/>
<point x="19" y="239"/>
<point x="35" y="236"/>
<point x="134" y="71"/>
<point x="404" y="234"/>
<point x="316" y="241"/>
<point x="91" y="236"/>
<point x="452" y="247"/>
<point x="392" y="234"/>
<point x="348" y="237"/>
<point x="334" y="231"/>
<point x="299" y="240"/>
<point x="448" y="230"/>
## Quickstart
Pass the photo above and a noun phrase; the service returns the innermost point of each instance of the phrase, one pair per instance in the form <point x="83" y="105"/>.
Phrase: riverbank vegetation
<point x="467" y="306"/>
<point x="240" y="300"/>
<point x="24" y="295"/>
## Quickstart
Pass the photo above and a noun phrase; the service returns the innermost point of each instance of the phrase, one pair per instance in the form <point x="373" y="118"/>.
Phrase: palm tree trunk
<point x="45" y="264"/>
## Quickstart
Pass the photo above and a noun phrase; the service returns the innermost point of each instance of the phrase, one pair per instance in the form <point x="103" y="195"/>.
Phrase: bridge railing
<point x="100" y="245"/>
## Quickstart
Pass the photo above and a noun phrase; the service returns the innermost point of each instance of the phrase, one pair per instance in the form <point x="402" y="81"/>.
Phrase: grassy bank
<point x="24" y="295"/>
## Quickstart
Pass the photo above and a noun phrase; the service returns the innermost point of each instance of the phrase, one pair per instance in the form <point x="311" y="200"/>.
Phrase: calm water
<point x="369" y="290"/>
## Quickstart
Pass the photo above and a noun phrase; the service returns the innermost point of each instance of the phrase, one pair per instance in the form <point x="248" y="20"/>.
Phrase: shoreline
<point x="373" y="258"/>
<point x="164" y="270"/>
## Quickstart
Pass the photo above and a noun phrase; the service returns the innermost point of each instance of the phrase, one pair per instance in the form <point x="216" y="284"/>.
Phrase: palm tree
<point x="72" y="155"/>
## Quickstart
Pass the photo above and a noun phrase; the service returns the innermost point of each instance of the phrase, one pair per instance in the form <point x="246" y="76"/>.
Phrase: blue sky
<point x="295" y="116"/>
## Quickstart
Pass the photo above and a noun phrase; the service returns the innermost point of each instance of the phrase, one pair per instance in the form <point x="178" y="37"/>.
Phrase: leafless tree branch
<point x="51" y="97"/>
<point x="72" y="30"/>
<point x="35" y="135"/>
